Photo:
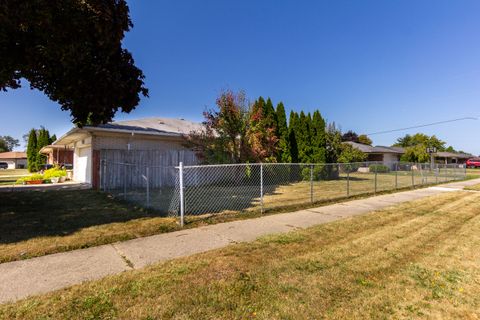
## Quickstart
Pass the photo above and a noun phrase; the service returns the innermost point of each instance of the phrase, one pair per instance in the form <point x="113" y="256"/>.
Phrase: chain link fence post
<point x="104" y="175"/>
<point x="261" y="187"/>
<point x="413" y="176"/>
<point x="348" y="182"/>
<point x="147" y="169"/>
<point x="396" y="175"/>
<point x="182" y="196"/>
<point x="311" y="183"/>
<point x="376" y="170"/>
<point x="125" y="181"/>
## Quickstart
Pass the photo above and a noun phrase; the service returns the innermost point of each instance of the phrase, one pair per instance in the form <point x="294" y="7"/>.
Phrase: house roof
<point x="13" y="155"/>
<point x="51" y="147"/>
<point x="155" y="126"/>
<point x="377" y="149"/>
<point x="149" y="126"/>
<point x="453" y="155"/>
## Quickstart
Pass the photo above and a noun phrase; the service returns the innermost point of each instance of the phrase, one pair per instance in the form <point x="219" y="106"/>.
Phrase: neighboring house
<point x="387" y="155"/>
<point x="452" y="157"/>
<point x="390" y="155"/>
<point x="14" y="159"/>
<point x="152" y="142"/>
<point x="58" y="155"/>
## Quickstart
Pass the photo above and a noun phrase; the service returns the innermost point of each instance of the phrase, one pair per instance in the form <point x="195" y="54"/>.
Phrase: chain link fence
<point x="233" y="188"/>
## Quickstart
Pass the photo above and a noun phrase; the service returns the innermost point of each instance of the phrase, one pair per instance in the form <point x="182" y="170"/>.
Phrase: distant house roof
<point x="13" y="155"/>
<point x="454" y="155"/>
<point x="149" y="126"/>
<point x="377" y="149"/>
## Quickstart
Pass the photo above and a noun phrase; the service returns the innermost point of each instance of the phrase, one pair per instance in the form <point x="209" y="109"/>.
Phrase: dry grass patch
<point x="416" y="260"/>
<point x="473" y="188"/>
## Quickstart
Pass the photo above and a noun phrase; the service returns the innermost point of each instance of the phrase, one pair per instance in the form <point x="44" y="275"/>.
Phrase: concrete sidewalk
<point x="20" y="279"/>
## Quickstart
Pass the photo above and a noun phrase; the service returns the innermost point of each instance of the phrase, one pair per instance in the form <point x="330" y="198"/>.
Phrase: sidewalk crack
<point x="122" y="255"/>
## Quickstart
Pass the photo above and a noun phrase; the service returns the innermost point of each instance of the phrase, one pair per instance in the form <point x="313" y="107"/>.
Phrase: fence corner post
<point x="261" y="187"/>
<point x="182" y="196"/>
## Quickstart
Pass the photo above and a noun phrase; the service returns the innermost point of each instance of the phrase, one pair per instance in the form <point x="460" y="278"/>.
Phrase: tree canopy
<point x="8" y="143"/>
<point x="72" y="51"/>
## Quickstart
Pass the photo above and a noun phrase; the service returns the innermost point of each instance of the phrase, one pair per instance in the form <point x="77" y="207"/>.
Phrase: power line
<point x="422" y="125"/>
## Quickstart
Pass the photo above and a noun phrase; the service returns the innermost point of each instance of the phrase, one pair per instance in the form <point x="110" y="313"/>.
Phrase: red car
<point x="473" y="163"/>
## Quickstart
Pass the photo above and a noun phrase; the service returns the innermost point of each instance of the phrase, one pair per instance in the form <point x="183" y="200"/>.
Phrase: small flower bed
<point x="51" y="175"/>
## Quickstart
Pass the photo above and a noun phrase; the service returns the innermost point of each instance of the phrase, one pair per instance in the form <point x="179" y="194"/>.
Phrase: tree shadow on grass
<point x="31" y="214"/>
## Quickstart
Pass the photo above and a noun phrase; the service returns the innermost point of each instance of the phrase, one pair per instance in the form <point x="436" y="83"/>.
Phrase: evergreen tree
<point x="42" y="141"/>
<point x="53" y="139"/>
<point x="292" y="136"/>
<point x="32" y="151"/>
<point x="284" y="154"/>
<point x="270" y="116"/>
<point x="318" y="141"/>
<point x="303" y="136"/>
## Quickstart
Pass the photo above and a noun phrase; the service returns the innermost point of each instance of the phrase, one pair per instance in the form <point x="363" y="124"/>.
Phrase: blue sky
<point x="367" y="65"/>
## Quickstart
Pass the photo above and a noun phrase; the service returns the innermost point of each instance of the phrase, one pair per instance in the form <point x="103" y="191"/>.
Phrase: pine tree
<point x="318" y="138"/>
<point x="42" y="141"/>
<point x="284" y="154"/>
<point x="304" y="138"/>
<point x="32" y="151"/>
<point x="292" y="136"/>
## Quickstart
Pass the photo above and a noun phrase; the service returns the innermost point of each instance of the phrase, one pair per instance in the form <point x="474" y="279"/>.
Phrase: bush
<point x="54" y="173"/>
<point x="379" y="168"/>
<point x="30" y="178"/>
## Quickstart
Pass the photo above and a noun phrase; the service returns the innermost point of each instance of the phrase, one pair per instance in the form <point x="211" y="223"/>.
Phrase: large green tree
<point x="8" y="143"/>
<point x="32" y="151"/>
<point x="43" y="140"/>
<point x="318" y="139"/>
<point x="292" y="135"/>
<point x="284" y="155"/>
<point x="72" y="51"/>
<point x="303" y="135"/>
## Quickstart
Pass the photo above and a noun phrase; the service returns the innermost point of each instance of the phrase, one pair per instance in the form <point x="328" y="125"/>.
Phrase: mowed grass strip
<point x="417" y="260"/>
<point x="473" y="188"/>
<point x="37" y="223"/>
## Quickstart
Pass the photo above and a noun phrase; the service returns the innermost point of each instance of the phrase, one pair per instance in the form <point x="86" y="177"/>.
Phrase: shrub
<point x="379" y="168"/>
<point x="30" y="178"/>
<point x="54" y="173"/>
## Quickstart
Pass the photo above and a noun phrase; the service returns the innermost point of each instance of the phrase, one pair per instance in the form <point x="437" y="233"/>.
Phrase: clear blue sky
<point x="367" y="65"/>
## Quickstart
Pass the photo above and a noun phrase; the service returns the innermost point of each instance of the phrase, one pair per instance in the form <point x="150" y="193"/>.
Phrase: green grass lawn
<point x="14" y="172"/>
<point x="34" y="223"/>
<point x="414" y="261"/>
<point x="473" y="173"/>
<point x="10" y="176"/>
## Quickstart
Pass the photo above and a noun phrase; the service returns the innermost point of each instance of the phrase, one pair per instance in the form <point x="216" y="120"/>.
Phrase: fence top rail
<point x="453" y="165"/>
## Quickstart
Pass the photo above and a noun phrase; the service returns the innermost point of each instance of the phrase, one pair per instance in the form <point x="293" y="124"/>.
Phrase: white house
<point x="14" y="159"/>
<point x="117" y="140"/>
